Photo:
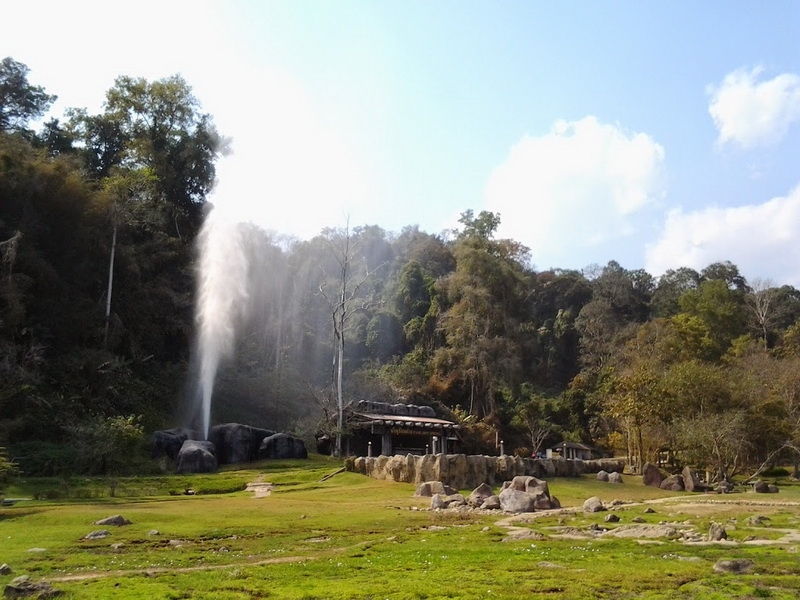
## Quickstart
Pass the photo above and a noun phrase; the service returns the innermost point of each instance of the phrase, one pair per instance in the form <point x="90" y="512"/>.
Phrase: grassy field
<point x="353" y="537"/>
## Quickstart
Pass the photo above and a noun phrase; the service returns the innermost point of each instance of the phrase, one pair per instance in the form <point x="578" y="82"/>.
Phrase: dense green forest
<point x="704" y="363"/>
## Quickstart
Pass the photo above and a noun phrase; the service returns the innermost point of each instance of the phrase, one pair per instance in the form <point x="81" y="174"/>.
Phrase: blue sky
<point x="655" y="134"/>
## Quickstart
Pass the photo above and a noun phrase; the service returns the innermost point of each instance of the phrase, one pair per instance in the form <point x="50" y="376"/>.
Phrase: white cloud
<point x="578" y="186"/>
<point x="751" y="113"/>
<point x="763" y="240"/>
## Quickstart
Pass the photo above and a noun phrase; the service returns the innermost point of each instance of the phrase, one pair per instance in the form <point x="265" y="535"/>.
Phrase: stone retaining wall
<point x="461" y="471"/>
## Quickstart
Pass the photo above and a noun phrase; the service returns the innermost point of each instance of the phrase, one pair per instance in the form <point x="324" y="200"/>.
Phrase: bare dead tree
<point x="761" y="304"/>
<point x="342" y="303"/>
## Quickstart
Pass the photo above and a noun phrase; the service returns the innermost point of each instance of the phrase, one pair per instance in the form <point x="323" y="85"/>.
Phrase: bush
<point x="776" y="472"/>
<point x="44" y="459"/>
<point x="7" y="468"/>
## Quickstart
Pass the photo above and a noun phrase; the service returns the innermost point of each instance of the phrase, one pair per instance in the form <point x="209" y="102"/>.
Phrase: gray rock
<point x="236" y="443"/>
<point x="614" y="477"/>
<point x="651" y="475"/>
<point x="639" y="520"/>
<point x="725" y="487"/>
<point x="757" y="520"/>
<point x="772" y="488"/>
<point x="168" y="442"/>
<point x="491" y="503"/>
<point x="611" y="518"/>
<point x="454" y="500"/>
<point x="282" y="445"/>
<point x="116" y="520"/>
<point x="717" y="532"/>
<point x="97" y="535"/>
<point x="690" y="481"/>
<point x="197" y="456"/>
<point x="440" y="501"/>
<point x="737" y="565"/>
<point x="516" y="501"/>
<point x="479" y="495"/>
<point x="5" y="569"/>
<point x="649" y="511"/>
<point x="761" y="487"/>
<point x="437" y="501"/>
<point x="593" y="505"/>
<point x="23" y="587"/>
<point x="674" y="483"/>
<point x="602" y="476"/>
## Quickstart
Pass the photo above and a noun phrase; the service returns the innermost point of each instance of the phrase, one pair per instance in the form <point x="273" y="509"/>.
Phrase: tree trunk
<point x="110" y="283"/>
<point x="340" y="396"/>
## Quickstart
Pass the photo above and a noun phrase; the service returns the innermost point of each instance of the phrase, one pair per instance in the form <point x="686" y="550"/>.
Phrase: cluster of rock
<point x="687" y="481"/>
<point x="521" y="494"/>
<point x="613" y="477"/>
<point x="762" y="487"/>
<point x="462" y="471"/>
<point x="228" y="443"/>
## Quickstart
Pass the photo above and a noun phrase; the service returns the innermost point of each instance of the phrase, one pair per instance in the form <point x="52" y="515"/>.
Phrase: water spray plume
<point x="221" y="299"/>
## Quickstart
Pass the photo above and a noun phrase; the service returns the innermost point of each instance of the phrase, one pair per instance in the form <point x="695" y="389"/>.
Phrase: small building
<point x="574" y="450"/>
<point x="376" y="428"/>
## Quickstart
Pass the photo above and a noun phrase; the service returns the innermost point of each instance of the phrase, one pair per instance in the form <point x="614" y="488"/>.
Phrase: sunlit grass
<point x="353" y="537"/>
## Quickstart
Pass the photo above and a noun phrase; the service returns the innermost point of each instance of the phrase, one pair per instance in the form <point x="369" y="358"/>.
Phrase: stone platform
<point x="461" y="471"/>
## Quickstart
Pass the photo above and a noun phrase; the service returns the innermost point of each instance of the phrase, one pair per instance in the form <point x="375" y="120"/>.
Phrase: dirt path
<point x="152" y="572"/>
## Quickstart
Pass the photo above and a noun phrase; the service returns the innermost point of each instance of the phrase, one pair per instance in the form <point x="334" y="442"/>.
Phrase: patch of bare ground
<point x="675" y="508"/>
<point x="152" y="572"/>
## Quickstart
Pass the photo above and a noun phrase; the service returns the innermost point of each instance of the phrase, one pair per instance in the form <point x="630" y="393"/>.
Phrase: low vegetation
<point x="204" y="536"/>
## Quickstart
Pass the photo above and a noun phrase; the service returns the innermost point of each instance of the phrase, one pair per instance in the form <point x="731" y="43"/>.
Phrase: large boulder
<point x="197" y="456"/>
<point x="761" y="487"/>
<point x="237" y="443"/>
<point x="168" y="442"/>
<point x="593" y="504"/>
<point x="673" y="483"/>
<point x="512" y="500"/>
<point x="526" y="493"/>
<point x="24" y="587"/>
<point x="614" y="477"/>
<point x="716" y="532"/>
<point x="282" y="445"/>
<point x="491" y="503"/>
<point x="691" y="482"/>
<point x="479" y="495"/>
<point x="651" y="475"/>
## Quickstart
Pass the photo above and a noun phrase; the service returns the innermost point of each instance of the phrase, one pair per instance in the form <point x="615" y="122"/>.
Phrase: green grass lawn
<point x="354" y="537"/>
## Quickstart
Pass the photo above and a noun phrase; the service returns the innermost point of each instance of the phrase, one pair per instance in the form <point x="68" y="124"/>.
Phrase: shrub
<point x="44" y="459"/>
<point x="7" y="468"/>
<point x="776" y="472"/>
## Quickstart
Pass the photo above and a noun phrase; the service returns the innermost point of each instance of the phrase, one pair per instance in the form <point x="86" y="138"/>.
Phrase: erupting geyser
<point x="221" y="301"/>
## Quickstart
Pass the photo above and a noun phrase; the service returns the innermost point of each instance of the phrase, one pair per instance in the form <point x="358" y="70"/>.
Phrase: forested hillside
<point x="704" y="363"/>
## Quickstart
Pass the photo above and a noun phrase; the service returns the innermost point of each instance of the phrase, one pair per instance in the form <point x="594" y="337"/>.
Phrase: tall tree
<point x="720" y="307"/>
<point x="156" y="126"/>
<point x="486" y="307"/>
<point x="20" y="101"/>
